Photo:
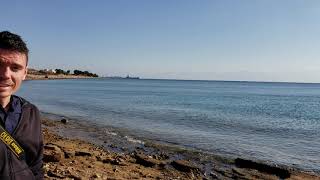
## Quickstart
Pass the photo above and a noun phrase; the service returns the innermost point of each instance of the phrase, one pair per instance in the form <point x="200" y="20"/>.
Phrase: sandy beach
<point x="71" y="154"/>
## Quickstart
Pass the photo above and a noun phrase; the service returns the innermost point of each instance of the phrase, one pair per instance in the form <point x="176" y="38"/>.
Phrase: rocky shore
<point x="78" y="158"/>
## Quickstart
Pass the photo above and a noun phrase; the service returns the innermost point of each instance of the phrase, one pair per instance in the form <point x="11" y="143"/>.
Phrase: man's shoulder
<point x="23" y="102"/>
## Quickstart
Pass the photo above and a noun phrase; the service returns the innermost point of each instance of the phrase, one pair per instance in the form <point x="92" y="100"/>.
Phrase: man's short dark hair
<point x="13" y="42"/>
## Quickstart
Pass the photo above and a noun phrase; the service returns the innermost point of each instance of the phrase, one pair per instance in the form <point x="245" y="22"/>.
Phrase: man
<point x="21" y="142"/>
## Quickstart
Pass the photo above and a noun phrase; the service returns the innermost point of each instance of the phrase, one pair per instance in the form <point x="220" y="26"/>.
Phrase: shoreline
<point x="159" y="161"/>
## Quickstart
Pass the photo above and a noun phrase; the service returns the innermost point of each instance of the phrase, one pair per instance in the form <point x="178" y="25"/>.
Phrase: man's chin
<point x="4" y="95"/>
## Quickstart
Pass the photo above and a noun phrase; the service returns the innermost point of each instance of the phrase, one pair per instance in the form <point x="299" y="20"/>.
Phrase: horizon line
<point x="244" y="81"/>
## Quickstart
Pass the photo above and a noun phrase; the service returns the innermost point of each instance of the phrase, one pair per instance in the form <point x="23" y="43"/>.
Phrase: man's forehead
<point x="7" y="56"/>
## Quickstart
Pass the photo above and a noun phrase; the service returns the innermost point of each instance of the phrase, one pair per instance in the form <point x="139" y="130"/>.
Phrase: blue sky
<point x="263" y="40"/>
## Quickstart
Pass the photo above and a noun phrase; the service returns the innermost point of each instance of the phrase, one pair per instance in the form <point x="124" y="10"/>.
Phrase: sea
<point x="267" y="121"/>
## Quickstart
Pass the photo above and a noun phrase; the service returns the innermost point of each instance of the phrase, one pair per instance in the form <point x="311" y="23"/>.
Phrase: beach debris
<point x="278" y="171"/>
<point x="185" y="166"/>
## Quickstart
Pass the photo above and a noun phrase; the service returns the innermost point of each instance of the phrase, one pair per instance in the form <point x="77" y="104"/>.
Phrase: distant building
<point x="50" y="71"/>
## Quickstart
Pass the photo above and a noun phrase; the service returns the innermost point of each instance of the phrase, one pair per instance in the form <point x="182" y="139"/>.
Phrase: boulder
<point x="148" y="161"/>
<point x="278" y="171"/>
<point x="52" y="147"/>
<point x="116" y="161"/>
<point x="52" y="153"/>
<point x="184" y="166"/>
<point x="64" y="121"/>
<point x="51" y="173"/>
<point x="82" y="153"/>
<point x="68" y="153"/>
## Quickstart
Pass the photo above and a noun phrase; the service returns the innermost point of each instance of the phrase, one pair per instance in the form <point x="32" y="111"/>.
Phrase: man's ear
<point x="25" y="73"/>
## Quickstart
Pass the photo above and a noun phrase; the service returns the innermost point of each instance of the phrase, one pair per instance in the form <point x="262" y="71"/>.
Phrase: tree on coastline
<point x="61" y="71"/>
<point x="84" y="73"/>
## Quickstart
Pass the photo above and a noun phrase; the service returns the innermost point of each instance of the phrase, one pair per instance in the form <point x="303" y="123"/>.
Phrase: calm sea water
<point x="275" y="122"/>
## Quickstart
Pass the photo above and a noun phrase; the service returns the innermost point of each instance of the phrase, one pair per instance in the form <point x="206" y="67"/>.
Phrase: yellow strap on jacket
<point x="11" y="143"/>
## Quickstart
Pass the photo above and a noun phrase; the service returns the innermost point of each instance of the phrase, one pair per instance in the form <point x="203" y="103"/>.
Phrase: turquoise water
<point x="275" y="122"/>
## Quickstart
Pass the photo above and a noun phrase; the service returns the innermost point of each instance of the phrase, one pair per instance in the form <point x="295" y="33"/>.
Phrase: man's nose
<point x="5" y="72"/>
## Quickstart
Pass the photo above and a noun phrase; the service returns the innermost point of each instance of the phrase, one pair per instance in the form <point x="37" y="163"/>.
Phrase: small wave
<point x="111" y="133"/>
<point x="130" y="139"/>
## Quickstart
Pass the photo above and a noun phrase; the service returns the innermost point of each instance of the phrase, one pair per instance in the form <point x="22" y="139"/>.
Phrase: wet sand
<point x="79" y="151"/>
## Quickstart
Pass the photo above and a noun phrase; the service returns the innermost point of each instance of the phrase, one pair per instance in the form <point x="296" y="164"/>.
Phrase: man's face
<point x="13" y="70"/>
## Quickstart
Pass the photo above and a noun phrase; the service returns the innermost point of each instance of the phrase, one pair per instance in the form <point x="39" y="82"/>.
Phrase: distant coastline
<point x="60" y="76"/>
<point x="47" y="74"/>
<point x="120" y="77"/>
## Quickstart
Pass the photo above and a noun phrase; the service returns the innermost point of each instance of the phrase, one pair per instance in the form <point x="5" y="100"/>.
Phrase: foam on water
<point x="111" y="133"/>
<point x="130" y="139"/>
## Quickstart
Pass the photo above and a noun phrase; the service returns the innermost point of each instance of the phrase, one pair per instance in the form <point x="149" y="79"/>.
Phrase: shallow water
<point x="275" y="122"/>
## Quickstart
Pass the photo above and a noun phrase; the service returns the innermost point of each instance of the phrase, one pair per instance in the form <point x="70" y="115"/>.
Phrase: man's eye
<point x="15" y="68"/>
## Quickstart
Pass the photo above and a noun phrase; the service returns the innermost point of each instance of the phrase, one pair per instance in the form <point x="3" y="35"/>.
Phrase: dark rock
<point x="213" y="175"/>
<point x="112" y="146"/>
<point x="124" y="149"/>
<point x="96" y="176"/>
<point x="51" y="147"/>
<point x="164" y="156"/>
<point x="99" y="158"/>
<point x="68" y="153"/>
<point x="238" y="172"/>
<point x="52" y="157"/>
<point x="278" y="171"/>
<point x="54" y="174"/>
<point x="115" y="170"/>
<point x="64" y="121"/>
<point x="184" y="166"/>
<point x="52" y="153"/>
<point x="112" y="161"/>
<point x="147" y="161"/>
<point x="82" y="153"/>
<point x="75" y="177"/>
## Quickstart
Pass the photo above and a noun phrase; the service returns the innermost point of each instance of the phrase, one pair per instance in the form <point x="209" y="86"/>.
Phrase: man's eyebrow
<point x="17" y="65"/>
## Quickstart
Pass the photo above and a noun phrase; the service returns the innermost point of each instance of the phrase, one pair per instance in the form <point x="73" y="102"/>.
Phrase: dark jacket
<point x="29" y="135"/>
